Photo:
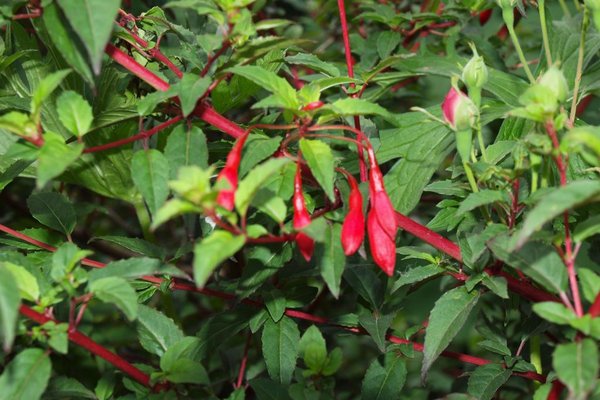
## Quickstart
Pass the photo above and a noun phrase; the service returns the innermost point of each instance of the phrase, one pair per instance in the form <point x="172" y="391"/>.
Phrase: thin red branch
<point x="202" y="111"/>
<point x="139" y="136"/>
<point x="242" y="371"/>
<point x="350" y="66"/>
<point x="214" y="57"/>
<point x="84" y="341"/>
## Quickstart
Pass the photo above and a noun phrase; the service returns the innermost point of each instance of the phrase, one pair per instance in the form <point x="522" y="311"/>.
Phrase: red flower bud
<point x="353" y="230"/>
<point x="301" y="218"/>
<point x="484" y="16"/>
<point x="459" y="111"/>
<point x="381" y="221"/>
<point x="229" y="173"/>
<point x="313" y="106"/>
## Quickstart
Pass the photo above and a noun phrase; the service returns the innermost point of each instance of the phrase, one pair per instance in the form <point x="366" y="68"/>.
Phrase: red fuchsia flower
<point x="353" y="229"/>
<point x="301" y="218"/>
<point x="313" y="106"/>
<point x="484" y="16"/>
<point x="229" y="173"/>
<point x="381" y="220"/>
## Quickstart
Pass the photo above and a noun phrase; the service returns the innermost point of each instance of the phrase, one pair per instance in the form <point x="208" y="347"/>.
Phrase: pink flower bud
<point x="301" y="218"/>
<point x="459" y="111"/>
<point x="313" y="106"/>
<point x="226" y="197"/>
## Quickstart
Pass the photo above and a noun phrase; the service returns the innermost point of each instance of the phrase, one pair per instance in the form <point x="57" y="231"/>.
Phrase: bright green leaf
<point x="280" y="342"/>
<point x="212" y="251"/>
<point x="118" y="291"/>
<point x="74" y="112"/>
<point x="319" y="157"/>
<point x="150" y="174"/>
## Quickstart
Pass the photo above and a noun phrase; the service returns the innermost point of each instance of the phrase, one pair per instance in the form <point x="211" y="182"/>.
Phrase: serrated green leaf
<point x="74" y="112"/>
<point x="212" y="251"/>
<point x="150" y="174"/>
<point x="156" y="331"/>
<point x="554" y="312"/>
<point x="283" y="91"/>
<point x="417" y="274"/>
<point x="555" y="203"/>
<point x="53" y="210"/>
<point x="354" y="106"/>
<point x="280" y="348"/>
<point x="186" y="147"/>
<point x="93" y="21"/>
<point x="275" y="303"/>
<point x="576" y="365"/>
<point x="118" y="291"/>
<point x="481" y="198"/>
<point x="331" y="259"/>
<point x="590" y="283"/>
<point x="44" y="89"/>
<point x="313" y="349"/>
<point x="9" y="308"/>
<point x="319" y="157"/>
<point x="256" y="149"/>
<point x="189" y="90"/>
<point x="486" y="380"/>
<point x="63" y="387"/>
<point x="26" y="282"/>
<point x="383" y="383"/>
<point x="64" y="260"/>
<point x="26" y="376"/>
<point x="134" y="267"/>
<point x="250" y="185"/>
<point x="313" y="62"/>
<point x="55" y="156"/>
<point x="377" y="326"/>
<point x="445" y="320"/>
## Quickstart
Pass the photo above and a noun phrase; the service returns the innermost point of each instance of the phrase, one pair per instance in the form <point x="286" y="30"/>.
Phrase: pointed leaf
<point x="319" y="158"/>
<point x="280" y="348"/>
<point x="150" y="174"/>
<point x="53" y="210"/>
<point x="576" y="365"/>
<point x="26" y="376"/>
<point x="486" y="380"/>
<point x="9" y="308"/>
<point x="118" y="291"/>
<point x="74" y="112"/>
<point x="383" y="383"/>
<point x="212" y="251"/>
<point x="156" y="331"/>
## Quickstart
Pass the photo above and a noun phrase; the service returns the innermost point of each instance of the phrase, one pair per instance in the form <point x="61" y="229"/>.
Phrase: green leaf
<point x="590" y="283"/>
<point x="495" y="346"/>
<point x="55" y="156"/>
<point x="275" y="303"/>
<point x="383" y="383"/>
<point x="365" y="282"/>
<point x="331" y="259"/>
<point x="445" y="320"/>
<point x="486" y="380"/>
<point x="313" y="349"/>
<point x="319" y="157"/>
<point x="267" y="389"/>
<point x="180" y="362"/>
<point x="280" y="348"/>
<point x="156" y="331"/>
<point x="285" y="95"/>
<point x="19" y="123"/>
<point x="63" y="387"/>
<point x="387" y="41"/>
<point x="150" y="174"/>
<point x="187" y="371"/>
<point x="9" y="308"/>
<point x="587" y="228"/>
<point x="313" y="62"/>
<point x="26" y="282"/>
<point x="554" y="312"/>
<point x="351" y="106"/>
<point x="44" y="89"/>
<point x="93" y="21"/>
<point x="417" y="274"/>
<point x="13" y="171"/>
<point x="136" y="245"/>
<point x="481" y="198"/>
<point x="74" y="112"/>
<point x="26" y="376"/>
<point x="250" y="185"/>
<point x="64" y="260"/>
<point x="377" y="326"/>
<point x="118" y="291"/>
<point x="497" y="285"/>
<point x="189" y="90"/>
<point x="536" y="260"/>
<point x="186" y="147"/>
<point x="555" y="203"/>
<point x="147" y="104"/>
<point x="576" y="365"/>
<point x="53" y="210"/>
<point x="134" y="267"/>
<point x="333" y="363"/>
<point x="256" y="149"/>
<point x="64" y="40"/>
<point x="212" y="251"/>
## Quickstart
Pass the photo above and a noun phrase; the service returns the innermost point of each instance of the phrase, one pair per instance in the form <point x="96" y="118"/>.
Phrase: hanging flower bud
<point x="506" y="4"/>
<point x="484" y="16"/>
<point x="381" y="220"/>
<point x="459" y="111"/>
<point x="301" y="218"/>
<point x="313" y="106"/>
<point x="475" y="73"/>
<point x="229" y="173"/>
<point x="555" y="80"/>
<point x="353" y="229"/>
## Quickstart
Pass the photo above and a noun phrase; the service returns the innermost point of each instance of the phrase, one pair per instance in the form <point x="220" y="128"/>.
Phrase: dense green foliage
<point x="213" y="199"/>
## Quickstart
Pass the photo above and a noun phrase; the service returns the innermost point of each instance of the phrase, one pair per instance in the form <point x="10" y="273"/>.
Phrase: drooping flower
<point x="301" y="218"/>
<point x="353" y="229"/>
<point x="484" y="16"/>
<point x="381" y="220"/>
<point x="226" y="197"/>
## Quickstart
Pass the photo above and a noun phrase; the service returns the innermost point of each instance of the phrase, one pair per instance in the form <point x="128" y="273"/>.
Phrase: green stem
<point x="542" y="10"/>
<point x="470" y="177"/>
<point x="144" y="220"/>
<point x="579" y="73"/>
<point x="536" y="353"/>
<point x="509" y="20"/>
<point x="565" y="8"/>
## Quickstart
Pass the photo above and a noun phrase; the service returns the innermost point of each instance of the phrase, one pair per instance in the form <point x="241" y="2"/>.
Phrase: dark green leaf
<point x="481" y="198"/>
<point x="53" y="210"/>
<point x="576" y="365"/>
<point x="136" y="245"/>
<point x="331" y="259"/>
<point x="383" y="383"/>
<point x="377" y="325"/>
<point x="9" y="307"/>
<point x="150" y="174"/>
<point x="156" y="331"/>
<point x="189" y="90"/>
<point x="186" y="147"/>
<point x="63" y="387"/>
<point x="280" y="348"/>
<point x="275" y="303"/>
<point x="250" y="185"/>
<point x="118" y="291"/>
<point x="212" y="251"/>
<point x="487" y="379"/>
<point x="284" y="94"/>
<point x="257" y="148"/>
<point x="26" y="376"/>
<point x="319" y="158"/>
<point x="313" y="62"/>
<point x="55" y="156"/>
<point x="130" y="268"/>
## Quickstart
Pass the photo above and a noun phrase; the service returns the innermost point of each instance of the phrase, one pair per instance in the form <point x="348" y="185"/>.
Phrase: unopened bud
<point x="507" y="3"/>
<point x="459" y="111"/>
<point x="475" y="73"/>
<point x="555" y="81"/>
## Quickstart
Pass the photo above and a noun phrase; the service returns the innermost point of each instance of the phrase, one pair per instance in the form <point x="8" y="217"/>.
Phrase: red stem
<point x="242" y="370"/>
<point x="350" y="66"/>
<point x="84" y="341"/>
<point x="141" y="135"/>
<point x="203" y="111"/>
<point x="214" y="57"/>
<point x="568" y="256"/>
